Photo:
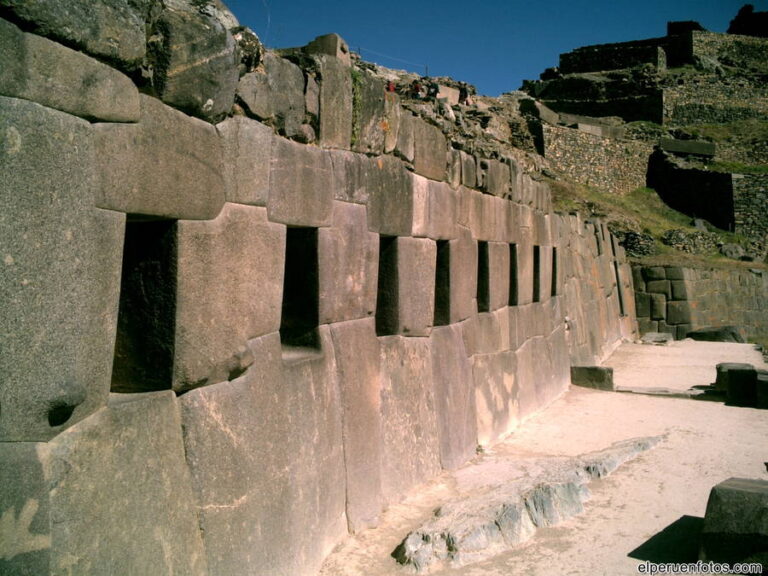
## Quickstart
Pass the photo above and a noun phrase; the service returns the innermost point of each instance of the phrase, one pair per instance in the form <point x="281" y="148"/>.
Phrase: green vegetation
<point x="641" y="211"/>
<point x="357" y="102"/>
<point x="738" y="168"/>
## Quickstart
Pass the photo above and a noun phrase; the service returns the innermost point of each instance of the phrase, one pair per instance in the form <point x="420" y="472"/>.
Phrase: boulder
<point x="112" y="30"/>
<point x="275" y="95"/>
<point x="598" y="377"/>
<point x="735" y="525"/>
<point x="194" y="59"/>
<point x="717" y="334"/>
<point x="37" y="69"/>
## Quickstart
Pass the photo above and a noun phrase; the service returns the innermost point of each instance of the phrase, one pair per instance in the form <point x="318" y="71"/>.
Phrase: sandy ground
<point x="649" y="509"/>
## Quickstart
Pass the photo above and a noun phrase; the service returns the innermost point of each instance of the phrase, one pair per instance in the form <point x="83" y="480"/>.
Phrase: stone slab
<point x="247" y="153"/>
<point x="468" y="170"/>
<point x="390" y="197"/>
<point x="37" y="69"/>
<point x="495" y="395"/>
<point x="454" y="397"/>
<point x="463" y="276"/>
<point x="229" y="290"/>
<point x="688" y="147"/>
<point x="168" y="165"/>
<point x="112" y="30"/>
<point x="482" y="334"/>
<point x="406" y="295"/>
<point x="357" y="360"/>
<point x="435" y="207"/>
<point x="370" y="122"/>
<point x="348" y="257"/>
<point x="60" y="283"/>
<point x="679" y="313"/>
<point x="122" y="465"/>
<point x="300" y="185"/>
<point x="410" y="448"/>
<point x="429" y="150"/>
<point x="405" y="146"/>
<point x="335" y="102"/>
<point x="266" y="458"/>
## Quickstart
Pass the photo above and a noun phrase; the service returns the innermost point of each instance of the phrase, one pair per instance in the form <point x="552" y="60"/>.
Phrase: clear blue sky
<point x="493" y="44"/>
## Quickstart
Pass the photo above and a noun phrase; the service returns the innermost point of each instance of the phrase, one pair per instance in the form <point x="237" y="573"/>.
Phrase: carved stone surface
<point x="168" y="165"/>
<point x="61" y="274"/>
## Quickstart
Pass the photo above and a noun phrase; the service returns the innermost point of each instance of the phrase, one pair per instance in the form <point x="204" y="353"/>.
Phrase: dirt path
<point x="664" y="488"/>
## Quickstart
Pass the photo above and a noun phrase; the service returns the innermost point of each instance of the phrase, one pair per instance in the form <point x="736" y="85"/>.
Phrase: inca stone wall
<point x="750" y="205"/>
<point x="232" y="334"/>
<point x="610" y="165"/>
<point x="677" y="300"/>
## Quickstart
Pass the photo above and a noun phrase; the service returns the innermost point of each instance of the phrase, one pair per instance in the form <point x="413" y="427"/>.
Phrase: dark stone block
<point x="643" y="305"/>
<point x="717" y="334"/>
<point x="725" y="369"/>
<point x="598" y="377"/>
<point x="735" y="526"/>
<point x="762" y="389"/>
<point x="654" y="273"/>
<point x="658" y="306"/>
<point x="688" y="147"/>
<point x="679" y="289"/>
<point x="659" y="287"/>
<point x="678" y="313"/>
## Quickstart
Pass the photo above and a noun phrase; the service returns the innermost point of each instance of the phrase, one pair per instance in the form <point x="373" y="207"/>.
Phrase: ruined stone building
<point x="249" y="299"/>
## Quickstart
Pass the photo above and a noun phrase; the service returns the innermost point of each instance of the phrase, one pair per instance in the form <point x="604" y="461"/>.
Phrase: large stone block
<point x="496" y="178"/>
<point x="499" y="274"/>
<point x="267" y="463"/>
<point x="434" y="209"/>
<point x="406" y="295"/>
<point x="454" y="397"/>
<point x="37" y="69"/>
<point x="463" y="276"/>
<point x="335" y="102"/>
<point x="404" y="148"/>
<point x="25" y="515"/>
<point x="300" y="185"/>
<point x="276" y="94"/>
<point x="429" y="148"/>
<point x="357" y="360"/>
<point x="390" y="197"/>
<point x="678" y="313"/>
<point x="410" y="446"/>
<point x="735" y="526"/>
<point x="643" y="304"/>
<point x="61" y="274"/>
<point x="348" y="256"/>
<point x="229" y="290"/>
<point x="468" y="170"/>
<point x="196" y="61"/>
<point x="495" y="395"/>
<point x="110" y="476"/>
<point x="168" y="165"/>
<point x="247" y="153"/>
<point x="368" y="132"/>
<point x="525" y="270"/>
<point x="482" y="334"/>
<point x="112" y="30"/>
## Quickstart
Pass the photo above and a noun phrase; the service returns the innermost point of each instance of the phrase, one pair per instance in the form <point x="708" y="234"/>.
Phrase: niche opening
<point x="442" y="315"/>
<point x="146" y="321"/>
<point x="387" y="296"/>
<point x="513" y="275"/>
<point x="537" y="274"/>
<point x="483" y="280"/>
<point x="301" y="290"/>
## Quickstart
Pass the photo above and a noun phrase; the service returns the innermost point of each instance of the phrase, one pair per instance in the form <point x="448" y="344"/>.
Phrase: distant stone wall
<point x="233" y="335"/>
<point x="613" y="166"/>
<point x="750" y="206"/>
<point x="708" y="100"/>
<point x="677" y="300"/>
<point x="660" y="52"/>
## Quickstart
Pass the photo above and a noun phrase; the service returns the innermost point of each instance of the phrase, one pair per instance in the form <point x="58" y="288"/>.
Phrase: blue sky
<point x="494" y="44"/>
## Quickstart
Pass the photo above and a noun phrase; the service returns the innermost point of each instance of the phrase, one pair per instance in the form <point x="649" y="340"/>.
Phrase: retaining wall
<point x="223" y="350"/>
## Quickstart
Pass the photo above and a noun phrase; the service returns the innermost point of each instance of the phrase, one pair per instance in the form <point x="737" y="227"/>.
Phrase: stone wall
<point x="611" y="165"/>
<point x="706" y="99"/>
<point x="677" y="300"/>
<point x="750" y="206"/>
<point x="232" y="335"/>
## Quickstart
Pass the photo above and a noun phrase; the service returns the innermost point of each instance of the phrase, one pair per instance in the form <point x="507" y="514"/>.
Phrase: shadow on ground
<point x="678" y="542"/>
